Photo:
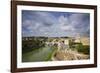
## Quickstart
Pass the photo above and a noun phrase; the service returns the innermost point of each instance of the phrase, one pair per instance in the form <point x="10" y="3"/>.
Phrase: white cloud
<point x="63" y="20"/>
<point x="65" y="24"/>
<point x="68" y="28"/>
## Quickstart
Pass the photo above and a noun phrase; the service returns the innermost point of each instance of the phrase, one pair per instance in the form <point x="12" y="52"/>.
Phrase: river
<point x="41" y="54"/>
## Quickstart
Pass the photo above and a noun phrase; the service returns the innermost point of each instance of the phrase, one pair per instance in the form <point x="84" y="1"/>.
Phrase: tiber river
<point x="42" y="54"/>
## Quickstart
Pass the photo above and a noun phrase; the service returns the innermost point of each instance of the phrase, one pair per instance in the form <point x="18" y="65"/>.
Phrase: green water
<point x="42" y="54"/>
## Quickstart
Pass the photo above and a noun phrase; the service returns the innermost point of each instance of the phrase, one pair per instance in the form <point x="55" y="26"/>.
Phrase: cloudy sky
<point x="55" y="24"/>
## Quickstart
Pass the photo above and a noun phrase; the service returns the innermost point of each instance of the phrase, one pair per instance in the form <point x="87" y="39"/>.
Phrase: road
<point x="69" y="55"/>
